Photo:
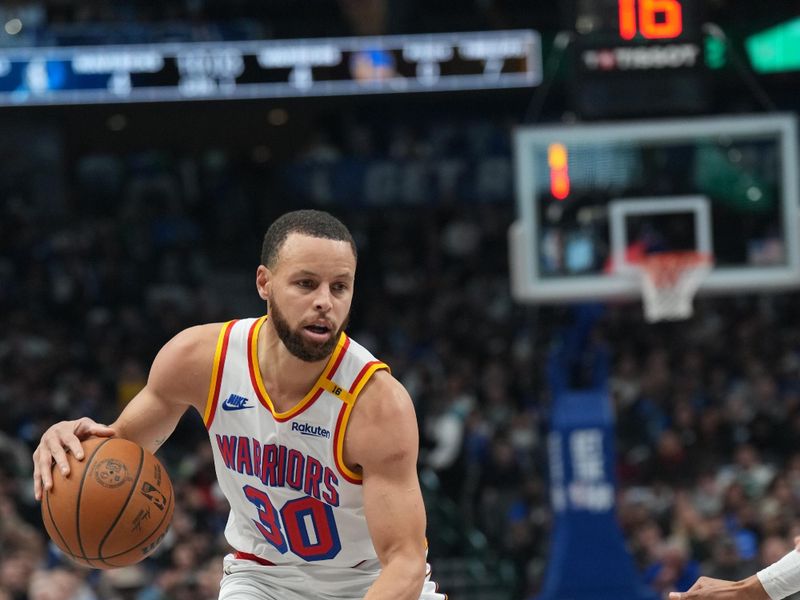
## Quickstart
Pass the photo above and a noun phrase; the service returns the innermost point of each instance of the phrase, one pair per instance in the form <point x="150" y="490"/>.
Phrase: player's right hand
<point x="63" y="437"/>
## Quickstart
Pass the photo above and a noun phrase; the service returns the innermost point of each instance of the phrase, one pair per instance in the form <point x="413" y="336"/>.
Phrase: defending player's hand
<point x="59" y="439"/>
<point x="708" y="588"/>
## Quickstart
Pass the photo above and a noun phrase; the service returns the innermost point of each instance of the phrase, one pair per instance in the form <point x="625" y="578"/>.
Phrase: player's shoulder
<point x="384" y="398"/>
<point x="192" y="348"/>
<point x="383" y="426"/>
<point x="383" y="382"/>
<point x="197" y="337"/>
<point x="184" y="364"/>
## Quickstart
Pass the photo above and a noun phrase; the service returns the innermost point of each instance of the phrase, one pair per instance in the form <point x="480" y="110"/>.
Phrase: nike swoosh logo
<point x="230" y="407"/>
<point x="236" y="405"/>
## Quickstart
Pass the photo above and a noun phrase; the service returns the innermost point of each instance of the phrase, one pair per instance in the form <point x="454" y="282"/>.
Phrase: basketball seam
<point x="56" y="527"/>
<point x="80" y="493"/>
<point x="166" y="513"/>
<point x="124" y="506"/>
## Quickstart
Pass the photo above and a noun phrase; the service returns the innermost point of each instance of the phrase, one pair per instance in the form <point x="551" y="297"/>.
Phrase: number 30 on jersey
<point x="304" y="525"/>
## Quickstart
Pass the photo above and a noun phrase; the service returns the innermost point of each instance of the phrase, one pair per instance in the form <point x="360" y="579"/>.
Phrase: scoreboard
<point x="270" y="69"/>
<point x="638" y="57"/>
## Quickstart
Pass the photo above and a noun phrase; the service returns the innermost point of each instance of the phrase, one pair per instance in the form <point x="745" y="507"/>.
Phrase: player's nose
<point x="322" y="299"/>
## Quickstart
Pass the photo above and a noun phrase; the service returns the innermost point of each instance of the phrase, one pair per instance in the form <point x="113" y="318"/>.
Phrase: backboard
<point x="593" y="199"/>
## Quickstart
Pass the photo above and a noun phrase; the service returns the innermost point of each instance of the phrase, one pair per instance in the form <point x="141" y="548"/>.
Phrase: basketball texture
<point x="114" y="507"/>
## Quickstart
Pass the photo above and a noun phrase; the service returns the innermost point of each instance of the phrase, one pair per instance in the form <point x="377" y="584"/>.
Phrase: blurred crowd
<point x="708" y="417"/>
<point x="707" y="411"/>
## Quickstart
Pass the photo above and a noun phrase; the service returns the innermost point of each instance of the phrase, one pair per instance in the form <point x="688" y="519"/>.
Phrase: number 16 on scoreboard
<point x="654" y="19"/>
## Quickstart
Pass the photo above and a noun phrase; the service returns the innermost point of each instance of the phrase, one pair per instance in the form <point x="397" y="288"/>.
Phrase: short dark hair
<point x="315" y="223"/>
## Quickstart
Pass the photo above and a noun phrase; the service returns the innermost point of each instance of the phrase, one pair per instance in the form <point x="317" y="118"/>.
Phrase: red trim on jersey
<point x="251" y="366"/>
<point x="339" y="358"/>
<point x="219" y="366"/>
<point x="364" y="370"/>
<point x="312" y="395"/>
<point x="338" y="458"/>
<point x="268" y="563"/>
<point x="254" y="558"/>
<point x="283" y="417"/>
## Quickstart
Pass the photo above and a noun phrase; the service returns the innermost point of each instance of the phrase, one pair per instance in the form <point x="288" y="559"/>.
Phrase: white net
<point x="669" y="283"/>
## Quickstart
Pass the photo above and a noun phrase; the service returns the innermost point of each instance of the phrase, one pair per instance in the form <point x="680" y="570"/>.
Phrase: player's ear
<point x="263" y="281"/>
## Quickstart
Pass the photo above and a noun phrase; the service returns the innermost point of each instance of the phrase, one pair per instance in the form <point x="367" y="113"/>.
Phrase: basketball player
<point x="775" y="582"/>
<point x="315" y="443"/>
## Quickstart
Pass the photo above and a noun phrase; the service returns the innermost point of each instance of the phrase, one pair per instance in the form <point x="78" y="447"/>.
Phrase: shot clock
<point x="653" y="19"/>
<point x="637" y="57"/>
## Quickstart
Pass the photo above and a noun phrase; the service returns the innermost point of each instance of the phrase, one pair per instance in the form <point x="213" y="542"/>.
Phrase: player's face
<point x="309" y="294"/>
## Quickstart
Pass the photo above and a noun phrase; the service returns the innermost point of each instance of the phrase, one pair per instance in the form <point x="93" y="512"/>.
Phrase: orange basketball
<point x="114" y="507"/>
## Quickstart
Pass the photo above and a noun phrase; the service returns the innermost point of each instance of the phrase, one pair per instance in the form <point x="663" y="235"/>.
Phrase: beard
<point x="294" y="341"/>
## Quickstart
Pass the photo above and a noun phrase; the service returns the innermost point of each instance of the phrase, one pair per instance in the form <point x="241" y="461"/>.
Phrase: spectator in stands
<point x="674" y="569"/>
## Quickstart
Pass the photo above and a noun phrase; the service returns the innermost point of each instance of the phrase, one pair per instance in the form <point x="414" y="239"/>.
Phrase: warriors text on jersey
<point x="292" y="498"/>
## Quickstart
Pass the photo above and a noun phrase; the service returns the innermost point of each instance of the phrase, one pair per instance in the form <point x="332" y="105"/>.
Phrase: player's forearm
<point x="708" y="588"/>
<point x="147" y="421"/>
<point x="401" y="579"/>
<point x="755" y="589"/>
<point x="148" y="435"/>
<point x="780" y="579"/>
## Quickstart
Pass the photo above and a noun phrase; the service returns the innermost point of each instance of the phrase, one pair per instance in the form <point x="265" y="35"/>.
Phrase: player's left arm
<point x="708" y="588"/>
<point x="382" y="439"/>
<point x="779" y="580"/>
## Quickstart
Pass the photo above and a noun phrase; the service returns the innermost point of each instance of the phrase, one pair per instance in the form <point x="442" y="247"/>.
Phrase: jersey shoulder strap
<point x="355" y="367"/>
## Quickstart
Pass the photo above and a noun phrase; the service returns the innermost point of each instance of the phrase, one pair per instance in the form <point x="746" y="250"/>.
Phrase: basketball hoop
<point x="669" y="282"/>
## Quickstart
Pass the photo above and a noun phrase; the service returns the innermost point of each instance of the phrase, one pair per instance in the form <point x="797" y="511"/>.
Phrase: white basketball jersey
<point x="292" y="499"/>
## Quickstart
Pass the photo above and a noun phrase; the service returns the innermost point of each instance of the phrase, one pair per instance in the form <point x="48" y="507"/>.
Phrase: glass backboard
<point x="593" y="199"/>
